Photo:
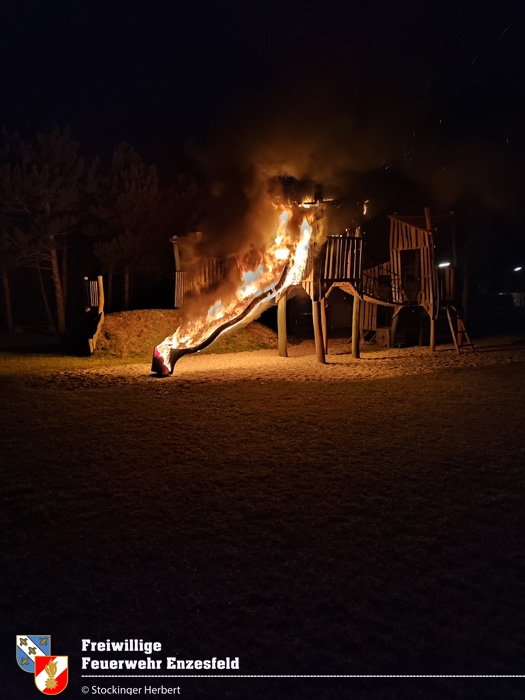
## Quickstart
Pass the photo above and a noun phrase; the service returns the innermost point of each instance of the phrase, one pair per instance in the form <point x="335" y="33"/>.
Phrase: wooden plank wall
<point x="207" y="273"/>
<point x="340" y="260"/>
<point x="91" y="293"/>
<point x="367" y="316"/>
<point x="404" y="236"/>
<point x="343" y="258"/>
<point x="183" y="286"/>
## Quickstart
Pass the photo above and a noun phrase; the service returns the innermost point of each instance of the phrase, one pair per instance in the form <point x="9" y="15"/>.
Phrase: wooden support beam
<point x="432" y="320"/>
<point x="356" y="313"/>
<point x="100" y="285"/>
<point x="356" y="350"/>
<point x="432" y="334"/>
<point x="323" y="324"/>
<point x="428" y="219"/>
<point x="393" y="328"/>
<point x="87" y="305"/>
<point x="318" y="332"/>
<point x="282" y="338"/>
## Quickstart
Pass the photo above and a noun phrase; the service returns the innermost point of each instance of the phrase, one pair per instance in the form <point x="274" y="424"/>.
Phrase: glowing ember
<point x="283" y="265"/>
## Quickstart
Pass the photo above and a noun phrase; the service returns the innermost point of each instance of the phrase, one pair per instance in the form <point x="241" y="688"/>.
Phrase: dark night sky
<point x="431" y="90"/>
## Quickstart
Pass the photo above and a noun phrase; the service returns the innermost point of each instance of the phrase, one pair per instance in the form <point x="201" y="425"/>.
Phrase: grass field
<point x="304" y="522"/>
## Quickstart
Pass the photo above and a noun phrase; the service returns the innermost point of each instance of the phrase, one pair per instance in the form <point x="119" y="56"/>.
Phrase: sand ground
<point x="362" y="517"/>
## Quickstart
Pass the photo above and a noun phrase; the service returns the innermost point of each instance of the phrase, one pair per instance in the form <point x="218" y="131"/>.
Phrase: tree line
<point x="61" y="210"/>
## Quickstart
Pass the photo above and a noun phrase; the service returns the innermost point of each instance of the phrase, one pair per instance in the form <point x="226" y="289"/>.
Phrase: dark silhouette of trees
<point x="42" y="182"/>
<point x="59" y="209"/>
<point x="15" y="244"/>
<point x="128" y="200"/>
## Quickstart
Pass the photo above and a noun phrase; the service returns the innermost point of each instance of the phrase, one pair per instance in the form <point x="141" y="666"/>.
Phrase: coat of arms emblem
<point x="51" y="674"/>
<point x="28" y="647"/>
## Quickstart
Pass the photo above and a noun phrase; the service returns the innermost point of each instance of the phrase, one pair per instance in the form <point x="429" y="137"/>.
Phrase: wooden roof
<point x="419" y="221"/>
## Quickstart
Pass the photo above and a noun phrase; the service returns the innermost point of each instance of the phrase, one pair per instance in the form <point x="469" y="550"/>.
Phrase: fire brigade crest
<point x="51" y="674"/>
<point x="29" y="647"/>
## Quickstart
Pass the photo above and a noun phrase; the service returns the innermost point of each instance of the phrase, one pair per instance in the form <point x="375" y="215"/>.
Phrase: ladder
<point x="460" y="335"/>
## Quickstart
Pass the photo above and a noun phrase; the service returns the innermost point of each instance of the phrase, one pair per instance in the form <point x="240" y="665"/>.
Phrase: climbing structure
<point x="414" y="278"/>
<point x="334" y="260"/>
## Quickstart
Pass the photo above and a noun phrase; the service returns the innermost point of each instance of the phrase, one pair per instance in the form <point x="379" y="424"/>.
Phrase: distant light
<point x="517" y="269"/>
<point x="446" y="264"/>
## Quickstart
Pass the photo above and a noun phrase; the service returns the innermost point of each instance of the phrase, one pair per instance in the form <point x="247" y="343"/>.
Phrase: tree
<point x="7" y="263"/>
<point x="41" y="185"/>
<point x="127" y="214"/>
<point x="12" y="242"/>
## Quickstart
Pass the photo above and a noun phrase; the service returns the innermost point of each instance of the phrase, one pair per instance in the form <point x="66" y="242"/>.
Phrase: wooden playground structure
<point x="413" y="278"/>
<point x="410" y="278"/>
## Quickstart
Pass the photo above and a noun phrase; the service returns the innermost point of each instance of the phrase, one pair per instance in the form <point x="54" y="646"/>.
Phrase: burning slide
<point x="283" y="265"/>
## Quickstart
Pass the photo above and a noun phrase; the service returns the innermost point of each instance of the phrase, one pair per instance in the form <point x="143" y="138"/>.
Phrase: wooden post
<point x="465" y="290"/>
<point x="176" y="253"/>
<point x="100" y="285"/>
<point x="427" y="219"/>
<point x="356" y="351"/>
<point x="432" y="319"/>
<point x="393" y="328"/>
<point x="432" y="334"/>
<point x="323" y="323"/>
<point x="356" y="313"/>
<point x="318" y="332"/>
<point x="454" y="247"/>
<point x="87" y="303"/>
<point x="282" y="340"/>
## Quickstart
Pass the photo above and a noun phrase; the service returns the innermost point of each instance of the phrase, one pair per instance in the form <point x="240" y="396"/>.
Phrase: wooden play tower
<point x="334" y="260"/>
<point x="414" y="278"/>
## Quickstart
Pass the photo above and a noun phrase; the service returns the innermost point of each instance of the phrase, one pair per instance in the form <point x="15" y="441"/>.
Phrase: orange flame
<point x="282" y="254"/>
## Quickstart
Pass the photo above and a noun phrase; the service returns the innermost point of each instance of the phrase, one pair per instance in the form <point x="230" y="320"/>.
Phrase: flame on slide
<point x="284" y="257"/>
